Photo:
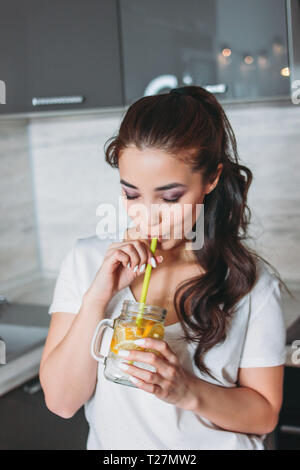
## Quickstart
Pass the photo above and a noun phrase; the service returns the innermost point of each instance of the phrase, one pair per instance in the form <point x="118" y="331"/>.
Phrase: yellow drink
<point x="127" y="331"/>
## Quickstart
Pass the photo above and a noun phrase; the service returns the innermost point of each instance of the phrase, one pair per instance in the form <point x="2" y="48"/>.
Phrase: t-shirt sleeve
<point x="66" y="297"/>
<point x="264" y="344"/>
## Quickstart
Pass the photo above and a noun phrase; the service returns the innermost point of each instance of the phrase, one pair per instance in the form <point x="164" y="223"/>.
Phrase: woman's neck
<point x="181" y="252"/>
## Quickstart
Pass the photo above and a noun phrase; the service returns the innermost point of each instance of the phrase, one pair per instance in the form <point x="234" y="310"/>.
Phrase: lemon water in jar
<point x="125" y="332"/>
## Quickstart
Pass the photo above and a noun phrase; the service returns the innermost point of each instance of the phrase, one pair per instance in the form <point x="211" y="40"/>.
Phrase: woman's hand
<point x="170" y="382"/>
<point x="114" y="274"/>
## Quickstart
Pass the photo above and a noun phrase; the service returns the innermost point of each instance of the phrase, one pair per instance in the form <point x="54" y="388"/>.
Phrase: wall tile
<point x="18" y="247"/>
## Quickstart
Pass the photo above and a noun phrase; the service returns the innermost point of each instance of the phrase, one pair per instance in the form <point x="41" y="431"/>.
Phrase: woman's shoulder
<point x="265" y="285"/>
<point x="265" y="278"/>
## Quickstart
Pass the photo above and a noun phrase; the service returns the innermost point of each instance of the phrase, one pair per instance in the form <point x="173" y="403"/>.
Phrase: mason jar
<point x="125" y="331"/>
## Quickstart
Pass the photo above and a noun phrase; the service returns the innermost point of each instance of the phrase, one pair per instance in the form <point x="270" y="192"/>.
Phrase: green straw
<point x="139" y="318"/>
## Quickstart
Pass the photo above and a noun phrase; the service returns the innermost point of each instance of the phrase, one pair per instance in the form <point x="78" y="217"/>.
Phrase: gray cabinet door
<point x="26" y="423"/>
<point x="74" y="51"/>
<point x="239" y="46"/>
<point x="63" y="54"/>
<point x="13" y="55"/>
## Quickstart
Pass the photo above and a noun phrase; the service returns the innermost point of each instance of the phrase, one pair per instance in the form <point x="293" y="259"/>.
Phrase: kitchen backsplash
<point x="19" y="255"/>
<point x="53" y="177"/>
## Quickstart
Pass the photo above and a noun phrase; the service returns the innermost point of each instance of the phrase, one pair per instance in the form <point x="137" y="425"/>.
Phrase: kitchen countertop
<point x="40" y="291"/>
<point x="24" y="328"/>
<point x="20" y="370"/>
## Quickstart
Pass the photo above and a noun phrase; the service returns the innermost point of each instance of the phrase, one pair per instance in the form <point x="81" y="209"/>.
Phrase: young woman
<point x="218" y="380"/>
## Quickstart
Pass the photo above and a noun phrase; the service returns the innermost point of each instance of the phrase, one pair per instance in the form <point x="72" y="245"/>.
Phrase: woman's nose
<point x="152" y="219"/>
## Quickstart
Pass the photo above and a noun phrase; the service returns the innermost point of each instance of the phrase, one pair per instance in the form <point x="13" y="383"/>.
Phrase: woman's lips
<point x="159" y="237"/>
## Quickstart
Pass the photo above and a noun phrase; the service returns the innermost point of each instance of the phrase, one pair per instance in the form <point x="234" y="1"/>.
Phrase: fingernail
<point x="133" y="379"/>
<point x="139" y="342"/>
<point x="128" y="265"/>
<point x="153" y="262"/>
<point x="123" y="366"/>
<point x="160" y="258"/>
<point x="123" y="353"/>
<point x="135" y="269"/>
<point x="142" y="268"/>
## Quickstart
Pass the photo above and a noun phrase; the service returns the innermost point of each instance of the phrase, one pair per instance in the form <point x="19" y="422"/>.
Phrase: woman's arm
<point x="68" y="373"/>
<point x="252" y="407"/>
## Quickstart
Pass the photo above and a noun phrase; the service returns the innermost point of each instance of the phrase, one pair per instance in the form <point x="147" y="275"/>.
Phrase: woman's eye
<point x="172" y="200"/>
<point x="164" y="199"/>
<point x="130" y="197"/>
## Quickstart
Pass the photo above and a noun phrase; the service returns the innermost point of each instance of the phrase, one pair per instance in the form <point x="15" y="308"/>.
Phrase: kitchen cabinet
<point x="26" y="422"/>
<point x="237" y="49"/>
<point x="81" y="54"/>
<point x="60" y="54"/>
<point x="287" y="433"/>
<point x="13" y="55"/>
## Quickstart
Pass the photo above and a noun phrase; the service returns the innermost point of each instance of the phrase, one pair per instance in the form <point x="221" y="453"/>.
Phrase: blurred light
<point x="218" y="88"/>
<point x="156" y="85"/>
<point x="263" y="62"/>
<point x="248" y="59"/>
<point x="226" y="52"/>
<point x="278" y="49"/>
<point x="285" y="72"/>
<point x="278" y="46"/>
<point x="187" y="78"/>
<point x="223" y="61"/>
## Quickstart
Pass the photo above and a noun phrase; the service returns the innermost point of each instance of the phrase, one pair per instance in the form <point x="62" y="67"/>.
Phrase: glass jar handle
<point x="98" y="337"/>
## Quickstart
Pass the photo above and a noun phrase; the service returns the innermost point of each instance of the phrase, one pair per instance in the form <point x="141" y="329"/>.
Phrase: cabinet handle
<point x="290" y="429"/>
<point x="46" y="101"/>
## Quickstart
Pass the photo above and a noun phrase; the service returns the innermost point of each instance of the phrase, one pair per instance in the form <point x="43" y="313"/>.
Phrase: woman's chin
<point x="167" y="243"/>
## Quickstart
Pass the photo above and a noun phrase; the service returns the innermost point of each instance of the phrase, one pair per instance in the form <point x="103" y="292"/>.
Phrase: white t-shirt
<point x="128" y="418"/>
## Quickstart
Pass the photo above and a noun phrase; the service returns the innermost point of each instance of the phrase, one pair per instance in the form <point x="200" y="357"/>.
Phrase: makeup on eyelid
<point x="167" y="197"/>
<point x="172" y="198"/>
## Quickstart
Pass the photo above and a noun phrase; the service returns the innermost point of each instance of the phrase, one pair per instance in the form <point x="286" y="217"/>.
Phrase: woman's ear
<point x="211" y="186"/>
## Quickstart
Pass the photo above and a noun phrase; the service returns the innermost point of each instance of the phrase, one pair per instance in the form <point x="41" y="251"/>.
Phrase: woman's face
<point x="152" y="177"/>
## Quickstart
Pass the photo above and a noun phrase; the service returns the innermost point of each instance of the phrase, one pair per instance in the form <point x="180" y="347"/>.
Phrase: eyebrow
<point x="160" y="188"/>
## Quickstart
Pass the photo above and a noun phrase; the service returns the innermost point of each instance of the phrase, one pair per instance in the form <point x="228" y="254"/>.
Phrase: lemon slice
<point x="124" y="336"/>
<point x="147" y="329"/>
<point x="127" y="344"/>
<point x="157" y="331"/>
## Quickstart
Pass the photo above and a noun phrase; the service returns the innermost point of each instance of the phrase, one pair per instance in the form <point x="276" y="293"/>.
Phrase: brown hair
<point x="191" y="119"/>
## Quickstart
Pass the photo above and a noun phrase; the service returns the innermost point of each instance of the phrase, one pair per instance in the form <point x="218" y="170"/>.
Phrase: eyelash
<point x="166" y="200"/>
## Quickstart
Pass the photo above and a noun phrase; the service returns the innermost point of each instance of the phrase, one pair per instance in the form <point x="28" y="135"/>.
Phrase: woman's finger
<point x="134" y="257"/>
<point x="144" y="252"/>
<point x="120" y="256"/>
<point x="146" y="376"/>
<point x="159" y="345"/>
<point x="139" y="255"/>
<point x="161" y="366"/>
